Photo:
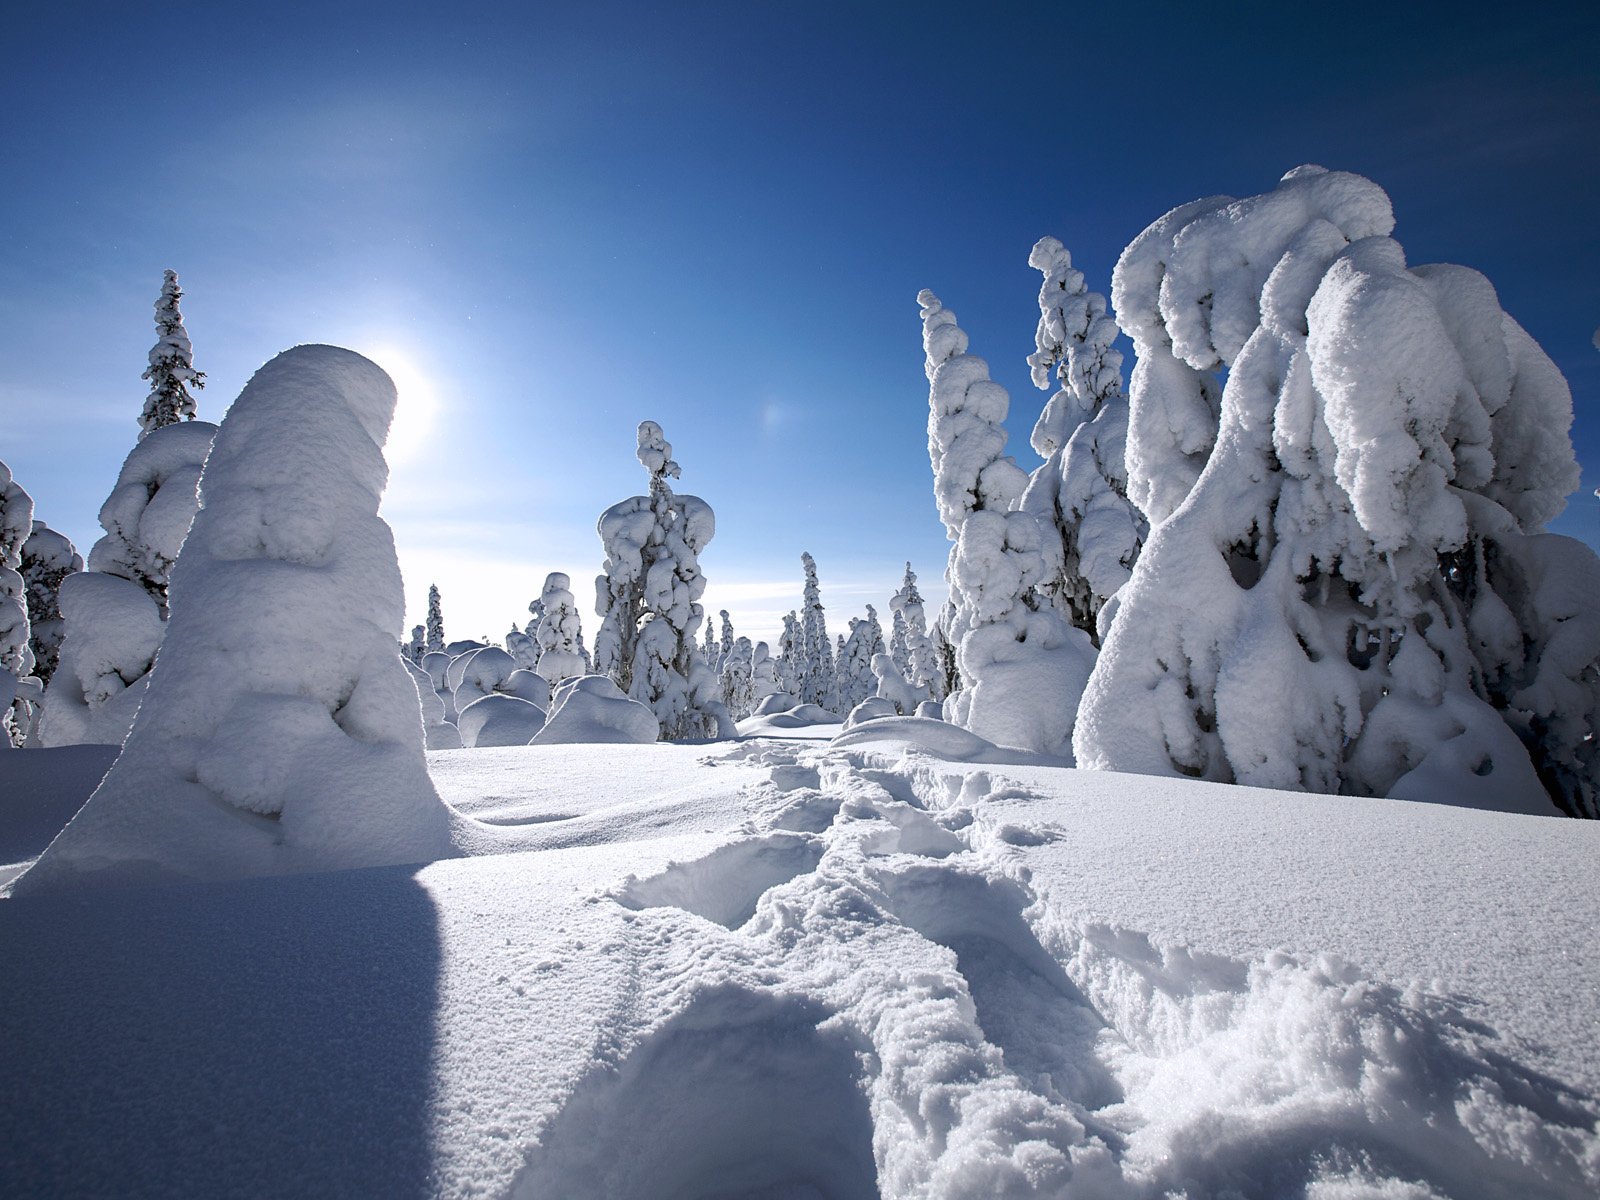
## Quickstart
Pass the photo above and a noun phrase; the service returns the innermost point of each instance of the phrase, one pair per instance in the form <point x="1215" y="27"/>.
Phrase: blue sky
<point x="553" y="221"/>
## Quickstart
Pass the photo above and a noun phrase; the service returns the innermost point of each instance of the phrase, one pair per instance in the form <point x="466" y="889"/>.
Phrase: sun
<point x="416" y="405"/>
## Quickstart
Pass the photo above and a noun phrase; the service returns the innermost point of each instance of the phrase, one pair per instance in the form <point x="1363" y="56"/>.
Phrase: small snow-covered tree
<point x="1021" y="666"/>
<point x="435" y="627"/>
<point x="16" y="651"/>
<point x="892" y="686"/>
<point x="710" y="650"/>
<point x="48" y="558"/>
<point x="1082" y="487"/>
<point x="280" y="731"/>
<point x="856" y="678"/>
<point x="418" y="645"/>
<point x="816" y="680"/>
<point x="789" y="651"/>
<point x="171" y="371"/>
<point x="921" y="665"/>
<point x="1347" y="586"/>
<point x="113" y="615"/>
<point x="648" y="599"/>
<point x="764" y="679"/>
<point x="559" y="631"/>
<point x="737" y="678"/>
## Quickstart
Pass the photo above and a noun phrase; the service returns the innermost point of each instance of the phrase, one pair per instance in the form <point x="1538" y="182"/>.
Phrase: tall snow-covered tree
<point x="560" y="631"/>
<point x="435" y="625"/>
<point x="815" y="679"/>
<point x="280" y="731"/>
<point x="1021" y="666"/>
<point x="1082" y="487"/>
<point x="648" y="599"/>
<point x="16" y="650"/>
<point x="1349" y="463"/>
<point x="725" y="641"/>
<point x="48" y="558"/>
<point x="171" y="370"/>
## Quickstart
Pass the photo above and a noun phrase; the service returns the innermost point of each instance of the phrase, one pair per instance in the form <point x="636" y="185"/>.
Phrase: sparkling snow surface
<point x="780" y="968"/>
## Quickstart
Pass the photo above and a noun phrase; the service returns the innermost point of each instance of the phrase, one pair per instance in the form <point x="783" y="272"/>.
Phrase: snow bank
<point x="280" y="731"/>
<point x="496" y="720"/>
<point x="591" y="708"/>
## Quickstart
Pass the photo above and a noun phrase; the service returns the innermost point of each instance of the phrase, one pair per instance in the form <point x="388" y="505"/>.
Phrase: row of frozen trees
<point x="648" y="598"/>
<point x="1306" y="549"/>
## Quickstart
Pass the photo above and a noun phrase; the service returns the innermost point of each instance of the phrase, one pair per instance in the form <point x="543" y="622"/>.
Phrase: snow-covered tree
<point x="816" y="680"/>
<point x="418" y="645"/>
<point x="764" y="678"/>
<point x="171" y="371"/>
<point x="113" y="615"/>
<point x="726" y="641"/>
<point x="856" y="678"/>
<point x="48" y="558"/>
<point x="147" y="516"/>
<point x="920" y="667"/>
<point x="559" y="632"/>
<point x="1347" y="586"/>
<point x="16" y="650"/>
<point x="737" y="679"/>
<point x="1021" y="666"/>
<point x="891" y="685"/>
<point x="789" y="652"/>
<point x="710" y="650"/>
<point x="1082" y="487"/>
<point x="648" y="599"/>
<point x="280" y="731"/>
<point x="435" y="625"/>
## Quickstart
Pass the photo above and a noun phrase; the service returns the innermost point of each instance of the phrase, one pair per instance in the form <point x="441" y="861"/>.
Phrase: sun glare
<point x="415" y="408"/>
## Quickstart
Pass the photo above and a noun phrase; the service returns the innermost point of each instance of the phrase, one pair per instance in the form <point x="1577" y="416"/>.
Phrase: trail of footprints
<point x="813" y="1061"/>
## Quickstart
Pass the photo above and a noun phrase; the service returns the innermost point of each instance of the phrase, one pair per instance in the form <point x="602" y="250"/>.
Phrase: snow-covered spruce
<point x="764" y="679"/>
<point x="1082" y="487"/>
<point x="171" y="371"/>
<point x="48" y="558"/>
<point x="738" y="668"/>
<point x="435" y="626"/>
<point x="789" y="643"/>
<point x="113" y="614"/>
<point x="280" y="731"/>
<point x="16" y="650"/>
<point x="649" y="599"/>
<point x="920" y="667"/>
<point x="417" y="646"/>
<point x="856" y="678"/>
<point x="816" y="674"/>
<point x="1348" y="587"/>
<point x="1021" y="666"/>
<point x="560" y="632"/>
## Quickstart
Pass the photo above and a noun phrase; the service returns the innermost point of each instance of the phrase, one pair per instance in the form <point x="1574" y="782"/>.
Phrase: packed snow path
<point x="878" y="936"/>
<point x="782" y="969"/>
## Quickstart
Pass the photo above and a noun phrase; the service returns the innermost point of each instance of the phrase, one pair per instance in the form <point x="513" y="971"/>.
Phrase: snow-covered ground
<point x="787" y="968"/>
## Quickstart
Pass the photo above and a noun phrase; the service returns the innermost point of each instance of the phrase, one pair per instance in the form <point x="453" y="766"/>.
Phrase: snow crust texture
<point x="280" y="730"/>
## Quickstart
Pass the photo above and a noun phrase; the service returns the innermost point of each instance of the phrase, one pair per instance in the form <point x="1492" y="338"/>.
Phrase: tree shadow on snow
<point x="259" y="1037"/>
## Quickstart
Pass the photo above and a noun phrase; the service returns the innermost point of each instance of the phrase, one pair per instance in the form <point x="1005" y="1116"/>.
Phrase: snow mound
<point x="497" y="720"/>
<point x="871" y="709"/>
<point x="591" y="708"/>
<point x="280" y="731"/>
<point x="939" y="738"/>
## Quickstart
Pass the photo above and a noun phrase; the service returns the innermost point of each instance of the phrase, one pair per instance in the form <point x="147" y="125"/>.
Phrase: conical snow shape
<point x="281" y="732"/>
